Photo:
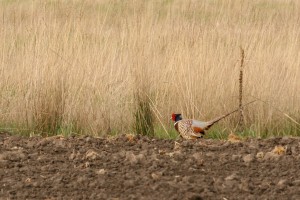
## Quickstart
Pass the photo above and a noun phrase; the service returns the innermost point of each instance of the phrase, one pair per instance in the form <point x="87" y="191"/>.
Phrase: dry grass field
<point x="101" y="67"/>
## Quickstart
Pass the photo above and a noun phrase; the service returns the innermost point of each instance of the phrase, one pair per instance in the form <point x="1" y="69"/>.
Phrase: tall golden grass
<point x="77" y="66"/>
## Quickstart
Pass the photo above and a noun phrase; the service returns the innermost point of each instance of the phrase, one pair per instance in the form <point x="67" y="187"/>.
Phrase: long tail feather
<point x="212" y="122"/>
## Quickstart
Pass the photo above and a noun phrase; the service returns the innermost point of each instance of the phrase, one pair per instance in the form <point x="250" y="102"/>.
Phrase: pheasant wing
<point x="199" y="126"/>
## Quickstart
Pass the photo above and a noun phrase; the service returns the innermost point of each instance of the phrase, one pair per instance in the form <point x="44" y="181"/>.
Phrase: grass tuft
<point x="144" y="117"/>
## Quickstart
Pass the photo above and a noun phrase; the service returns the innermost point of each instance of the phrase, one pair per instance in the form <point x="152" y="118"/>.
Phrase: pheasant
<point x="193" y="129"/>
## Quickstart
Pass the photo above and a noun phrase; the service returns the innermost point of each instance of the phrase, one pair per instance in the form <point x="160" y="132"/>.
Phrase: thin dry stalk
<point x="241" y="112"/>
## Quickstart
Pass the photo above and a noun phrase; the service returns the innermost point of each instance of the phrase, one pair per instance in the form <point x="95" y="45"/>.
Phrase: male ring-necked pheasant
<point x="193" y="129"/>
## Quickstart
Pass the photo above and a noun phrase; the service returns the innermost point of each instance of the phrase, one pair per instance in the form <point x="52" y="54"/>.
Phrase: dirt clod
<point x="91" y="154"/>
<point x="271" y="156"/>
<point x="248" y="158"/>
<point x="260" y="155"/>
<point x="156" y="175"/>
<point x="236" y="157"/>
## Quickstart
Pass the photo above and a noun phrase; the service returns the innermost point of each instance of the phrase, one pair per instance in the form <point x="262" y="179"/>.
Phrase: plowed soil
<point x="129" y="167"/>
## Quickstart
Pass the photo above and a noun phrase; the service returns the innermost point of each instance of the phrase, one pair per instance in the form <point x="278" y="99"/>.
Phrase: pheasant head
<point x="176" y="117"/>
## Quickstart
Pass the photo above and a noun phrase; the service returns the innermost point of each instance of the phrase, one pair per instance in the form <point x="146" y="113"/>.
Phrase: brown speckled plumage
<point x="187" y="131"/>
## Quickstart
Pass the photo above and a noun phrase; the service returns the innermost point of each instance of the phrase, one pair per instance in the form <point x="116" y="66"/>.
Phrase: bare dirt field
<point x="144" y="168"/>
